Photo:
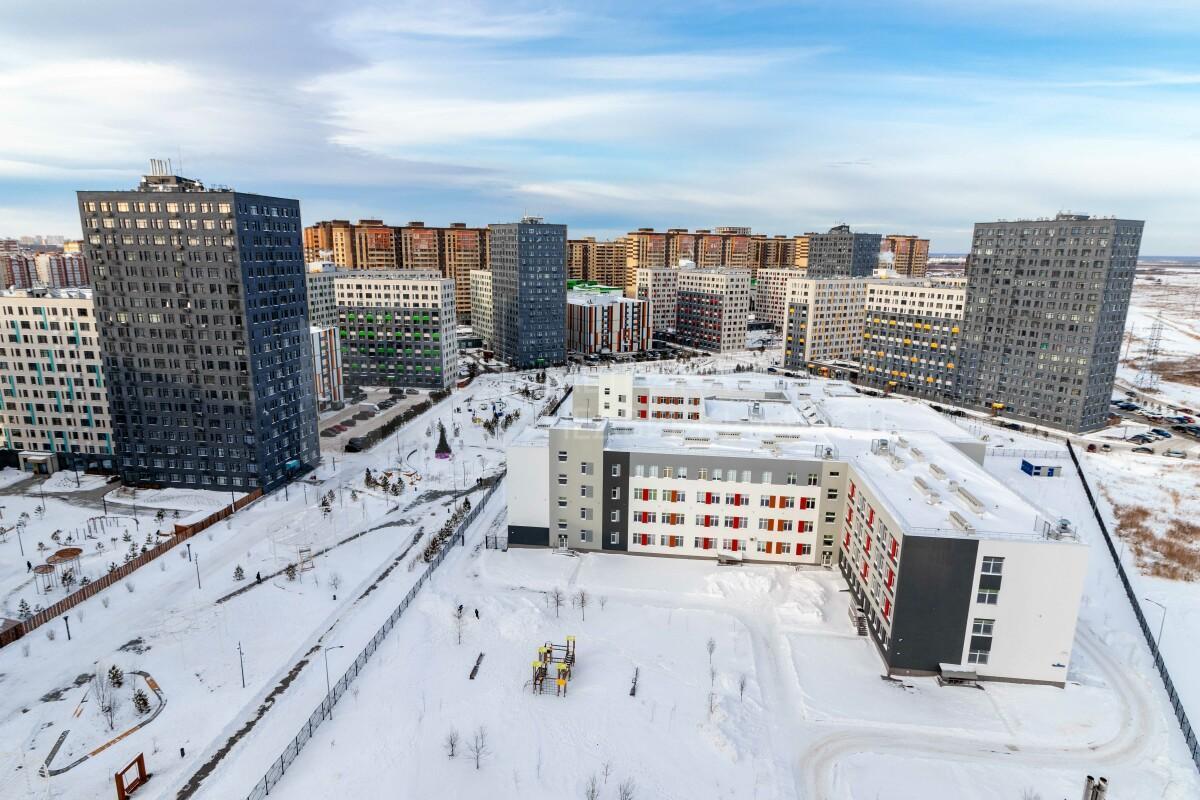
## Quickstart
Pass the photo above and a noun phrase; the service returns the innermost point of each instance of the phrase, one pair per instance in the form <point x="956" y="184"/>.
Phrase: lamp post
<point x="197" y="560"/>
<point x="328" y="687"/>
<point x="1162" y="622"/>
<point x="67" y="620"/>
<point x="242" y="664"/>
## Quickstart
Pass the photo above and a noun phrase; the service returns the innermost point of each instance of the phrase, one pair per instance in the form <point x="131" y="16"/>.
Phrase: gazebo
<point x="44" y="577"/>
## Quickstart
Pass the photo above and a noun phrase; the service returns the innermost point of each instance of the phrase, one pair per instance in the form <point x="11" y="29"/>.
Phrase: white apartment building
<point x="51" y="379"/>
<point x="322" y="297"/>
<point x="605" y="321"/>
<point x="481" y="305"/>
<point x="327" y="366"/>
<point x="824" y="320"/>
<point x="658" y="286"/>
<point x="771" y="294"/>
<point x="712" y="308"/>
<point x="398" y="328"/>
<point x="946" y="565"/>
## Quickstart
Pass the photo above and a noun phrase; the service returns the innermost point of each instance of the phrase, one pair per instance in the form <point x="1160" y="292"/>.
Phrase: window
<point x="639" y="470"/>
<point x="668" y="472"/>
<point x="766" y="477"/>
<point x="585" y="535"/>
<point x="615" y="516"/>
<point x="988" y="596"/>
<point x="792" y="479"/>
<point x="585" y="513"/>
<point x="745" y="476"/>
<point x="806" y="549"/>
<point x="978" y="656"/>
<point x="992" y="565"/>
<point x="717" y="474"/>
<point x="831" y="494"/>
<point x="681" y="472"/>
<point x="562" y="502"/>
<point x="616" y="493"/>
<point x="831" y="516"/>
<point x="585" y="468"/>
<point x="616" y="470"/>
<point x="562" y="479"/>
<point x="983" y="627"/>
<point x="702" y="474"/>
<point x="562" y="455"/>
<point x="614" y="537"/>
<point x="562" y="524"/>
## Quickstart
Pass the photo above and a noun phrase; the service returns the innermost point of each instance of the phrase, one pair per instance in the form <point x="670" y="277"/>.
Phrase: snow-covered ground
<point x="1172" y="295"/>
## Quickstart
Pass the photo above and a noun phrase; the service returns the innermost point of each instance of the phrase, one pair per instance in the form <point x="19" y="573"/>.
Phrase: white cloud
<point x="454" y="19"/>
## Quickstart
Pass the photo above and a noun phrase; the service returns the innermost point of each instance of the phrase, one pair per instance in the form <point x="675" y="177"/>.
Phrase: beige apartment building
<point x="659" y="286"/>
<point x="912" y="333"/>
<point x="420" y="247"/>
<point x="904" y="254"/>
<point x="824" y="320"/>
<point x="463" y="250"/>
<point x="712" y="308"/>
<point x="800" y="251"/>
<point x="603" y="262"/>
<point x="481" y="304"/>
<point x="52" y="380"/>
<point x="771" y="294"/>
<point x="332" y="240"/>
<point x="376" y="245"/>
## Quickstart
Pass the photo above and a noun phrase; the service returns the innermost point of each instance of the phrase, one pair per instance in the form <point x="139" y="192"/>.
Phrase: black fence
<point x="1189" y="735"/>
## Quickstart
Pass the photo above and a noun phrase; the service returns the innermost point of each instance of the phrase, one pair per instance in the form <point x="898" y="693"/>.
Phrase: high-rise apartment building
<point x="906" y="255"/>
<point x="376" y="246"/>
<point x="420" y="247"/>
<point x="20" y="271"/>
<point x="63" y="270"/>
<point x="912" y="336"/>
<point x="658" y="286"/>
<point x="529" y="285"/>
<point x="710" y="249"/>
<point x="603" y="262"/>
<point x="463" y="250"/>
<point x="201" y="300"/>
<point x="771" y="294"/>
<point x="644" y="248"/>
<point x="332" y="240"/>
<point x="397" y="328"/>
<point x="1045" y="313"/>
<point x="600" y="319"/>
<point x="681" y="246"/>
<point x="712" y="308"/>
<point x="482" y="304"/>
<point x="824" y="320"/>
<point x="800" y="251"/>
<point x="327" y="366"/>
<point x="840" y="253"/>
<point x="322" y="297"/>
<point x="52" y="393"/>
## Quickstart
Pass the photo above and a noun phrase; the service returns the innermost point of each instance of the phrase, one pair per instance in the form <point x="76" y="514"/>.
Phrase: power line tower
<point x="1147" y="377"/>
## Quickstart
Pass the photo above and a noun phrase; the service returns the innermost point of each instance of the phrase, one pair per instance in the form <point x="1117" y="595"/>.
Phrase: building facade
<point x="376" y="245"/>
<point x="481" y="302"/>
<point x="332" y="240"/>
<point x="602" y="320"/>
<point x="327" y="366"/>
<point x="912" y="336"/>
<point x="397" y="328"/>
<point x="463" y="251"/>
<point x="52" y="393"/>
<point x="658" y="286"/>
<point x="712" y="308"/>
<point x="906" y="255"/>
<point x="202" y="305"/>
<point x="322" y="296"/>
<point x="824" y="321"/>
<point x="20" y="271"/>
<point x="771" y="294"/>
<point x="1045" y="315"/>
<point x="841" y="253"/>
<point x="63" y="271"/>
<point x="529" y="286"/>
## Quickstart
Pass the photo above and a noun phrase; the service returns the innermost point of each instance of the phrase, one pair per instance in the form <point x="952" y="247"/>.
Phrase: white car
<point x="1174" y="454"/>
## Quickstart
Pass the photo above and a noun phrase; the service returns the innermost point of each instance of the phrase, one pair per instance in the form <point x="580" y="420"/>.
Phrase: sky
<point x="919" y="117"/>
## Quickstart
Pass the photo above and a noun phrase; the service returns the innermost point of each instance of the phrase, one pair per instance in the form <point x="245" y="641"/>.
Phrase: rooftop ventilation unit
<point x="970" y="499"/>
<point x="917" y="454"/>
<point x="896" y="461"/>
<point x="960" y="522"/>
<point x="937" y="472"/>
<point x="880" y="447"/>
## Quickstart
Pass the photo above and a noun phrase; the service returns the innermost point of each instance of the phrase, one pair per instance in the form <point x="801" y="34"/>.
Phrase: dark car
<point x="357" y="444"/>
<point x="1143" y="450"/>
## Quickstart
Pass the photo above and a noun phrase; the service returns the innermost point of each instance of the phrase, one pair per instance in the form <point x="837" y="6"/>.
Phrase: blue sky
<point x="919" y="117"/>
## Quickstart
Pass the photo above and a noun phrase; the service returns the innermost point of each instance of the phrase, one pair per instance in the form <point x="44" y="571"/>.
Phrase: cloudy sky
<point x="921" y="116"/>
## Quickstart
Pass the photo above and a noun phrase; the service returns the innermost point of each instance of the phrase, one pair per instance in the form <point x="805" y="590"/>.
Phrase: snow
<point x="71" y="481"/>
<point x="10" y="476"/>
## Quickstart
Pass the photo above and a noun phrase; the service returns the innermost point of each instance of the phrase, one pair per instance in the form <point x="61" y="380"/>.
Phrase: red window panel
<point x="708" y="496"/>
<point x="852" y="488"/>
<point x="772" y="501"/>
<point x="735" y="545"/>
<point x="870" y="516"/>
<point x="737" y="499"/>
<point x="849" y="515"/>
<point x="891" y="580"/>
<point x="867" y="547"/>
<point x="865" y="568"/>
<point x="887" y="608"/>
<point x="803" y="503"/>
<point x="894" y="549"/>
<point x="770" y="524"/>
<point x="707" y="544"/>
<point x="641" y="398"/>
<point x="846" y="541"/>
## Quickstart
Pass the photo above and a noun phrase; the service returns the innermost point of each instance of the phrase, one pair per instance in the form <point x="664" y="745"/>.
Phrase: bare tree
<point x="712" y="677"/>
<point x="335" y="581"/>
<point x="555" y="598"/>
<point x="591" y="789"/>
<point x="626" y="790"/>
<point x="581" y="600"/>
<point x="478" y="746"/>
<point x="107" y="700"/>
<point x="451" y="743"/>
<point x="711" y="646"/>
<point x="712" y="703"/>
<point x="606" y="770"/>
<point x="742" y="686"/>
<point x="458" y="622"/>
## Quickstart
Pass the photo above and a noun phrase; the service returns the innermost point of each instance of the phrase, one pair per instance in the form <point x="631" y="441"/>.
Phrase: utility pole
<point x="198" y="570"/>
<point x="67" y="620"/>
<point x="328" y="687"/>
<point x="242" y="663"/>
<point x="1161" y="624"/>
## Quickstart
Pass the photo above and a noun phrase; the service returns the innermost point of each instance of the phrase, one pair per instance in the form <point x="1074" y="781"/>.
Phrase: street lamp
<point x="328" y="688"/>
<point x="1162" y="622"/>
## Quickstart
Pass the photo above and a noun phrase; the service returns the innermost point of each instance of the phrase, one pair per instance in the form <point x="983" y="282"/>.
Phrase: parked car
<point x="1141" y="438"/>
<point x="1143" y="450"/>
<point x="1106" y="447"/>
<point x="357" y="444"/>
<point x="1160" y="433"/>
<point x="1174" y="454"/>
<point x="411" y="391"/>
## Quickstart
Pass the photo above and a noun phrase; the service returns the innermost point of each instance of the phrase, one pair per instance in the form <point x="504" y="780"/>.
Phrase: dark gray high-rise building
<point x="202" y="310"/>
<point x="1044" y="317"/>
<point x="842" y="254"/>
<point x="529" y="292"/>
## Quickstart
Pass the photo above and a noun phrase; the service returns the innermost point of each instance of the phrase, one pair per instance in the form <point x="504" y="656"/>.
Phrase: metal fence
<point x="275" y="772"/>
<point x="1189" y="734"/>
<point x="1010" y="452"/>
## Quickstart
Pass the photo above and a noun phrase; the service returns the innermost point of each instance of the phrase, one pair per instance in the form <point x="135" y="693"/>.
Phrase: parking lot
<point x="361" y="427"/>
<point x="1162" y="430"/>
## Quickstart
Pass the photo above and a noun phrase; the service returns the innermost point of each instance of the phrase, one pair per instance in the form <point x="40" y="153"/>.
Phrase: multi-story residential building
<point x="52" y="393"/>
<point x="906" y="255"/>
<point x="600" y="319"/>
<point x="421" y="247"/>
<point x="644" y="248"/>
<point x="912" y="335"/>
<point x="327" y="366"/>
<point x="1045" y="314"/>
<point x="376" y="246"/>
<point x="681" y="246"/>
<point x="658" y="286"/>
<point x="603" y="262"/>
<point x="201" y="301"/>
<point x="322" y="297"/>
<point x="771" y="294"/>
<point x="529" y="286"/>
<point x="773" y="252"/>
<point x="397" y="328"/>
<point x="824" y="320"/>
<point x="800" y="251"/>
<point x="482" y="302"/>
<point x="712" y="308"/>
<point x="20" y="271"/>
<point x="63" y="270"/>
<point x="946" y="565"/>
<point x="841" y="253"/>
<point x="332" y="240"/>
<point x="710" y="249"/>
<point x="463" y="250"/>
<point x="73" y="246"/>
<point x="623" y="395"/>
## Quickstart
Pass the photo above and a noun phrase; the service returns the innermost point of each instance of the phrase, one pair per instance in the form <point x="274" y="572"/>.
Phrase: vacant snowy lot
<point x="815" y="718"/>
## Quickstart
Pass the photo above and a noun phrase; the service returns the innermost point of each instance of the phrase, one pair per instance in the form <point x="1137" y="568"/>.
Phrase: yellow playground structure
<point x="556" y="661"/>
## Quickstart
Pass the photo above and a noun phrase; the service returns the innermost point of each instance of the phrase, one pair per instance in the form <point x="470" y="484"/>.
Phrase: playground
<point x="748" y="675"/>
